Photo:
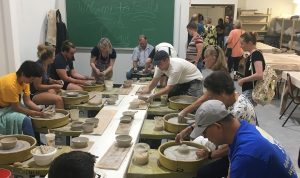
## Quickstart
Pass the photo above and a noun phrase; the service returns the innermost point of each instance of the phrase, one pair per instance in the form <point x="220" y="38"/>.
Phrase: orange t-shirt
<point x="10" y="89"/>
<point x="234" y="38"/>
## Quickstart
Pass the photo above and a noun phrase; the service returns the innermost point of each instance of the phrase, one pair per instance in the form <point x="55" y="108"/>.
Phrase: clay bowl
<point x="125" y="119"/>
<point x="88" y="127"/>
<point x="127" y="83"/>
<point x="8" y="143"/>
<point x="95" y="102"/>
<point x="123" y="140"/>
<point x="143" y="97"/>
<point x="43" y="159"/>
<point x="143" y="79"/>
<point x="76" y="126"/>
<point x="72" y="94"/>
<point x="134" y="104"/>
<point x="111" y="101"/>
<point x="129" y="113"/>
<point x="80" y="142"/>
<point x="95" y="121"/>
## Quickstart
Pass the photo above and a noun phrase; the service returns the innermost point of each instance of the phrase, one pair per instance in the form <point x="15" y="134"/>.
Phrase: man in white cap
<point x="184" y="77"/>
<point x="160" y="47"/>
<point x="253" y="152"/>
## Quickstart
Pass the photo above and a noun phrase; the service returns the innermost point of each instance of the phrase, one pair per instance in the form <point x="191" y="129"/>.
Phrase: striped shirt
<point x="191" y="51"/>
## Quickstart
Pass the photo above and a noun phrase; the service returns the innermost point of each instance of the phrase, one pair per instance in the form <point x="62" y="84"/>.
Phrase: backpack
<point x="264" y="90"/>
<point x="61" y="32"/>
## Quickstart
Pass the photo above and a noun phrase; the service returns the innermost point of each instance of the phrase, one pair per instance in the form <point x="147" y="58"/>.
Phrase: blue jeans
<point x="248" y="95"/>
<point x="129" y="73"/>
<point x="27" y="127"/>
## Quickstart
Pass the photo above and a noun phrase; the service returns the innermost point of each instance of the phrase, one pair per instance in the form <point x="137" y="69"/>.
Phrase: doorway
<point x="213" y="11"/>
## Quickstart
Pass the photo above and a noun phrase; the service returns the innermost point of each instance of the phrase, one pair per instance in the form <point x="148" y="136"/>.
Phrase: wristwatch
<point x="191" y="126"/>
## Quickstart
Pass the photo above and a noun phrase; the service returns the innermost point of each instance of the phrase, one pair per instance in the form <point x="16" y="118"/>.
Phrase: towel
<point x="10" y="121"/>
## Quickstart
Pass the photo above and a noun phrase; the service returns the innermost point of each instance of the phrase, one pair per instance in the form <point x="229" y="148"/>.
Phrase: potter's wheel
<point x="173" y="157"/>
<point x="72" y="96"/>
<point x="174" y="120"/>
<point x="171" y="122"/>
<point x="21" y="145"/>
<point x="174" y="153"/>
<point x="54" y="116"/>
<point x="181" y="101"/>
<point x="58" y="119"/>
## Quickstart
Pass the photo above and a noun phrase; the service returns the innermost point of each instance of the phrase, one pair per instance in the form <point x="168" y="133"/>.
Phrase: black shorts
<point x="65" y="85"/>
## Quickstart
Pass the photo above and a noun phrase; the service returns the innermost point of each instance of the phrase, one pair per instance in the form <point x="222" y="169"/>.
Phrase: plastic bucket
<point x="4" y="173"/>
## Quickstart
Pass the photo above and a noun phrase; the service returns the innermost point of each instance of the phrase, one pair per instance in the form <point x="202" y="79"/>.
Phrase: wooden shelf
<point x="255" y="15"/>
<point x="254" y="23"/>
<point x="251" y="20"/>
<point x="260" y="31"/>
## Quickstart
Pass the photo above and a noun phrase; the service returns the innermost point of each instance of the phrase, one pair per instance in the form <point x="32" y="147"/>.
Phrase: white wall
<point x="223" y="2"/>
<point x="31" y="12"/>
<point x="9" y="48"/>
<point x="279" y="7"/>
<point x="3" y="50"/>
<point x="23" y="28"/>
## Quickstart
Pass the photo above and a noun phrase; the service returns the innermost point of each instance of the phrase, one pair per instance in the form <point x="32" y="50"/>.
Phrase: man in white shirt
<point x="184" y="77"/>
<point x="139" y="56"/>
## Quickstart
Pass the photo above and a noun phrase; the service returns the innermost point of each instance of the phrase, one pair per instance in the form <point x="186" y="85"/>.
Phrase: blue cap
<point x="160" y="55"/>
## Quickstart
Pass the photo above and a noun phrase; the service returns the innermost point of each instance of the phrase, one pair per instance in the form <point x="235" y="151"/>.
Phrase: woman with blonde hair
<point x="103" y="57"/>
<point x="44" y="89"/>
<point x="214" y="58"/>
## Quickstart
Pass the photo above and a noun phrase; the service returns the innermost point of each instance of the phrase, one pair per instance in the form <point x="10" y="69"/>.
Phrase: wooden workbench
<point x="155" y="110"/>
<point x="30" y="168"/>
<point x="264" y="47"/>
<point x="148" y="131"/>
<point x="153" y="170"/>
<point x="281" y="62"/>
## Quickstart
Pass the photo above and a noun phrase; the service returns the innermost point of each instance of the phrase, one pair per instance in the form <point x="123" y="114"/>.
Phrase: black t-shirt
<point x="45" y="77"/>
<point x="220" y="29"/>
<point x="61" y="63"/>
<point x="104" y="60"/>
<point x="151" y="55"/>
<point x="255" y="56"/>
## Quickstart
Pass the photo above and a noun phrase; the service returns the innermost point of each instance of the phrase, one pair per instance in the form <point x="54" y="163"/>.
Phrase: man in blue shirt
<point x="253" y="152"/>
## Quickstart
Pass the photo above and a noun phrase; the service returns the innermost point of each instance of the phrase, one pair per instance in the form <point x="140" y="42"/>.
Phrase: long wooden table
<point x="264" y="47"/>
<point x="148" y="131"/>
<point x="295" y="79"/>
<point x="283" y="62"/>
<point x="153" y="170"/>
<point x="155" y="110"/>
<point x="29" y="167"/>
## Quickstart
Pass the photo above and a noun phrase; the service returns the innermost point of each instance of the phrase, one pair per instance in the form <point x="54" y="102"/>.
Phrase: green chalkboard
<point x="122" y="21"/>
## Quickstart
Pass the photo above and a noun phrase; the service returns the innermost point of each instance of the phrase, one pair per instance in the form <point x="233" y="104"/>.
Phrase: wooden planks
<point x="113" y="158"/>
<point x="104" y="116"/>
<point x="124" y="128"/>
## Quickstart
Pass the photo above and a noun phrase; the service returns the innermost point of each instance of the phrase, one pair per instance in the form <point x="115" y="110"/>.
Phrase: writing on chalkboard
<point x="120" y="21"/>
